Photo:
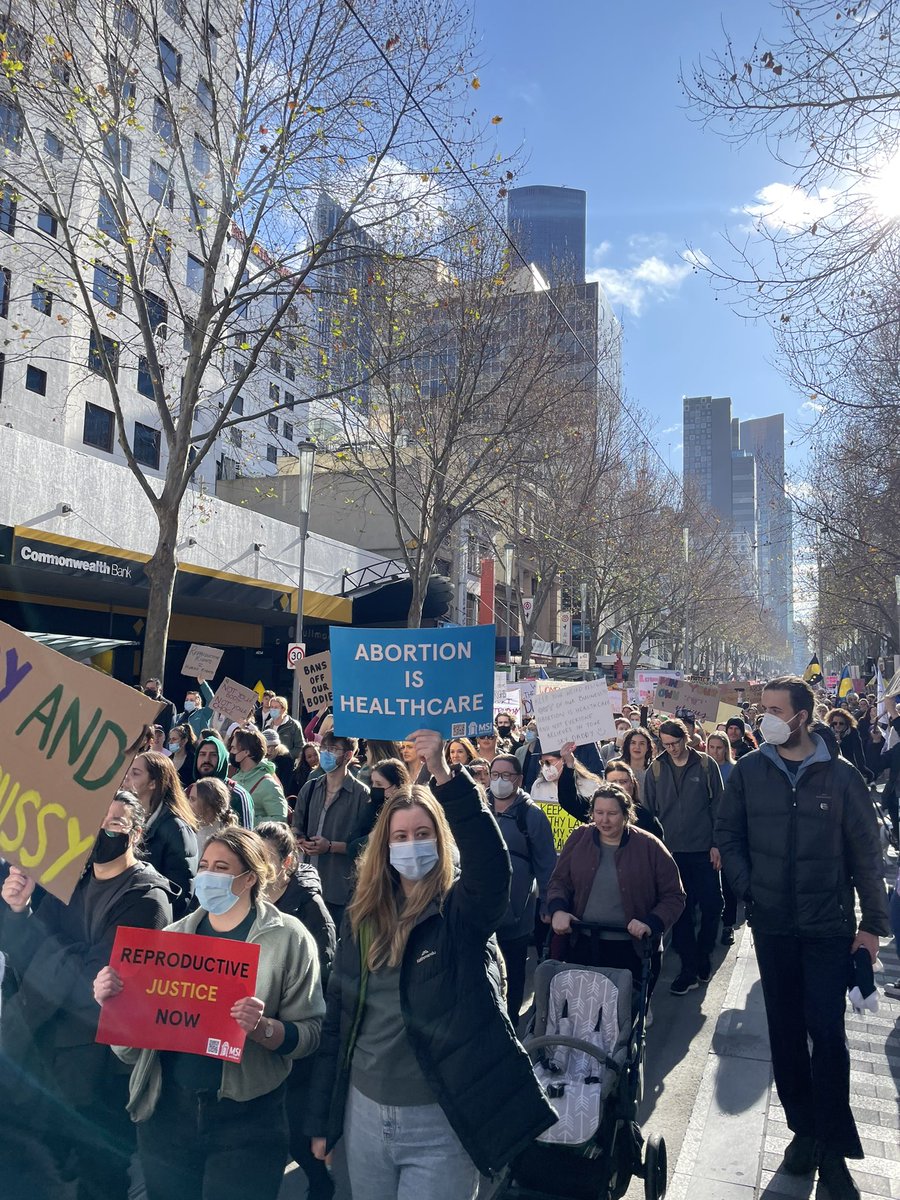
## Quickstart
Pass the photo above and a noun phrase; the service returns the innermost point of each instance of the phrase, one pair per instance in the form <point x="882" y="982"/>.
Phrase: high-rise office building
<point x="707" y="451"/>
<point x="547" y="225"/>
<point x="763" y="437"/>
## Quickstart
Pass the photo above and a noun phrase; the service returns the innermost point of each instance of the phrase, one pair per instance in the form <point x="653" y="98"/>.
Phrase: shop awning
<point x="387" y="604"/>
<point x="78" y="647"/>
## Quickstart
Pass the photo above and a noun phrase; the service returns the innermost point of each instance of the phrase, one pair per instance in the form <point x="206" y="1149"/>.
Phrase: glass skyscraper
<point x="547" y="224"/>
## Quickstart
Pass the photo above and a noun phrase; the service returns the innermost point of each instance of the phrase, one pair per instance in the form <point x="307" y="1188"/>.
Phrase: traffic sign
<point x="584" y="661"/>
<point x="296" y="652"/>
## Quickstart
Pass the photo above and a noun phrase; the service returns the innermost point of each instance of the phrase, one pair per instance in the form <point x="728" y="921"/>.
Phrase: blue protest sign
<point x="389" y="682"/>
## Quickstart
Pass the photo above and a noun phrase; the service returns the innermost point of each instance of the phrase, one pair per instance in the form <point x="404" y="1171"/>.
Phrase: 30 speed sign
<point x="296" y="652"/>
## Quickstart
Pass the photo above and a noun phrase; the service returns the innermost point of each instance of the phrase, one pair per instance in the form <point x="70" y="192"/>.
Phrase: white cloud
<point x="673" y="428"/>
<point x="787" y="206"/>
<point x="812" y="406"/>
<point x="649" y="280"/>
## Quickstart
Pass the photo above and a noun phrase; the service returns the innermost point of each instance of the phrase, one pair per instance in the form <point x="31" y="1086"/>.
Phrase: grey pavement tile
<point x="715" y="1189"/>
<point x="780" y="1184"/>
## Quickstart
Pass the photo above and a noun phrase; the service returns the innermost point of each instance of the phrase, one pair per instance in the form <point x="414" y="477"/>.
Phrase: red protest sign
<point x="178" y="992"/>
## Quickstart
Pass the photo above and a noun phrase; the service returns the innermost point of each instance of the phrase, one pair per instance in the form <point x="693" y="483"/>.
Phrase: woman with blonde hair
<point x="415" y="1038"/>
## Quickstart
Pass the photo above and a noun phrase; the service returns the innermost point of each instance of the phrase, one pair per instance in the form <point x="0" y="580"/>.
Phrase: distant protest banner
<point x="315" y="681"/>
<point x="646" y="682"/>
<point x="561" y="822"/>
<point x="700" y="699"/>
<point x="525" y="690"/>
<point x="179" y="989"/>
<point x="736" y="693"/>
<point x="389" y="682"/>
<point x="233" y="701"/>
<point x="69" y="734"/>
<point x="662" y="692"/>
<point x="202" y="662"/>
<point x="579" y="713"/>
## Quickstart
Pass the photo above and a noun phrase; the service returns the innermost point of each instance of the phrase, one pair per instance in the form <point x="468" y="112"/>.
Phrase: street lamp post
<point x="583" y="607"/>
<point x="509" y="551"/>
<point x="306" y="461"/>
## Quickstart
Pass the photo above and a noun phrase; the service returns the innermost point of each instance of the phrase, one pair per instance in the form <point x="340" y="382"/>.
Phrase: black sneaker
<point x="836" y="1180"/>
<point x="800" y="1155"/>
<point x="683" y="984"/>
<point x="727" y="938"/>
<point x="704" y="970"/>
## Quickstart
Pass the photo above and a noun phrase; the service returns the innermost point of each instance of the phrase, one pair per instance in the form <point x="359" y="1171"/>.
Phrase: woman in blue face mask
<point x="205" y="1127"/>
<point x="415" y="1013"/>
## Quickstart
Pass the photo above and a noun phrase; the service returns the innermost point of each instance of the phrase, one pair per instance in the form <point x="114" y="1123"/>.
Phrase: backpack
<point x="522" y="826"/>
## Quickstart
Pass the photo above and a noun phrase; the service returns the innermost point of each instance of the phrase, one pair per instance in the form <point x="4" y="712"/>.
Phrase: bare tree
<point x="176" y="155"/>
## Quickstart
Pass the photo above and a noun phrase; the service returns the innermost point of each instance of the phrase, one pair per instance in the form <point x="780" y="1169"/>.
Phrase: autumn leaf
<point x="476" y="82"/>
<point x="496" y="120"/>
<point x="391" y="43"/>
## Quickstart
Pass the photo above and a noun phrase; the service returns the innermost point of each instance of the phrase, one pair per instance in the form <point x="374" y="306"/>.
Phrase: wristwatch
<point x="269" y="1029"/>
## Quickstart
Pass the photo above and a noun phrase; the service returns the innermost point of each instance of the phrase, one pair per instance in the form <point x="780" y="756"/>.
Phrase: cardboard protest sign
<point x="389" y="682"/>
<point x="735" y="693"/>
<point x="524" y="689"/>
<point x="646" y="681"/>
<point x="701" y="699"/>
<point x="561" y="822"/>
<point x="233" y="701"/>
<point x="580" y="713"/>
<point x="202" y="662"/>
<point x="315" y="681"/>
<point x="178" y="992"/>
<point x="69" y="735"/>
<point x="662" y="693"/>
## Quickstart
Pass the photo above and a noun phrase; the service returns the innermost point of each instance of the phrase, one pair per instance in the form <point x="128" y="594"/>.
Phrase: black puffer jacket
<point x="796" y="850"/>
<point x="452" y="1008"/>
<point x="170" y="845"/>
<point x="302" y="898"/>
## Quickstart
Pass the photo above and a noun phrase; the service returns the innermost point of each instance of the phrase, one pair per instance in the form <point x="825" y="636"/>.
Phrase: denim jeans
<point x="404" y="1153"/>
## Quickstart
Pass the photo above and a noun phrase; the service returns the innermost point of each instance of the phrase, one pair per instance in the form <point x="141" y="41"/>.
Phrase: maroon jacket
<point x="648" y="878"/>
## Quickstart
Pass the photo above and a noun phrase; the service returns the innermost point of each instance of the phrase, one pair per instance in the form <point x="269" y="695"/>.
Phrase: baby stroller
<point x="587" y="1044"/>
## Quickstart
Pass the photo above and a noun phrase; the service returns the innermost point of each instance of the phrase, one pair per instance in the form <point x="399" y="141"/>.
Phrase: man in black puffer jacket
<point x="797" y="834"/>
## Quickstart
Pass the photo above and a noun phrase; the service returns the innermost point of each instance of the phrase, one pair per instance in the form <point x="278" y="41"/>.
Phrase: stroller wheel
<point x="656" y="1168"/>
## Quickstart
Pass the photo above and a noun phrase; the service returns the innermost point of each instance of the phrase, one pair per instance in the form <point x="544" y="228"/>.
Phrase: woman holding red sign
<point x="419" y="1068"/>
<point x="50" y="1023"/>
<point x="207" y="1127"/>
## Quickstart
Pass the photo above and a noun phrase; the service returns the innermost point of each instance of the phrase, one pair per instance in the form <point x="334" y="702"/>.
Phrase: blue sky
<point x="590" y="89"/>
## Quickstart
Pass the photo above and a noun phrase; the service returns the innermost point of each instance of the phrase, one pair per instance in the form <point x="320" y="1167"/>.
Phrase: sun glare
<point x="884" y="190"/>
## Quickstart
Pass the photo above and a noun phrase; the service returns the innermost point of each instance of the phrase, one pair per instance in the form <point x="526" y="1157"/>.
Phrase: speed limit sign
<point x="296" y="652"/>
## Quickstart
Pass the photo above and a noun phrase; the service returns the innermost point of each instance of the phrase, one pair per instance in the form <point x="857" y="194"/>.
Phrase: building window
<point x="95" y="357"/>
<point x="127" y="20"/>
<point x="157" y="312"/>
<point x="53" y="145"/>
<point x="289" y="371"/>
<point x="175" y="10"/>
<point x="10" y="125"/>
<point x="117" y="150"/>
<point x="106" y="218"/>
<point x="160" y="249"/>
<point x="5" y="286"/>
<point x="162" y="121"/>
<point x="237" y="406"/>
<point x="145" y="379"/>
<point x="204" y="95"/>
<point x="146" y="445"/>
<point x="275" y="361"/>
<point x="2" y="370"/>
<point x="99" y="425"/>
<point x="59" y="70"/>
<point x="46" y="221"/>
<point x="195" y="271"/>
<point x="121" y="81"/>
<point x="237" y="369"/>
<point x="201" y="156"/>
<point x="160" y="186"/>
<point x="212" y="42"/>
<point x="36" y="380"/>
<point x="237" y="437"/>
<point x="272" y="422"/>
<point x="42" y="299"/>
<point x="274" y="394"/>
<point x="7" y="210"/>
<point x="169" y="61"/>
<point x="288" y="432"/>
<point x="289" y="400"/>
<point x="272" y="454"/>
<point x="108" y="287"/>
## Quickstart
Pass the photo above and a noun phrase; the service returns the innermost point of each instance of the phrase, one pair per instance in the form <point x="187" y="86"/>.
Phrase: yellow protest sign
<point x="70" y="733"/>
<point x="561" y="822"/>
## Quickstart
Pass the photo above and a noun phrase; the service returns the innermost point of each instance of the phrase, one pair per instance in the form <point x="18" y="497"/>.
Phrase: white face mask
<point x="502" y="788"/>
<point x="550" y="773"/>
<point x="774" y="730"/>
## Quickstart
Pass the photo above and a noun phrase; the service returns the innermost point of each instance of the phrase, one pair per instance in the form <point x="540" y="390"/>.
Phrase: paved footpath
<point x="736" y="1135"/>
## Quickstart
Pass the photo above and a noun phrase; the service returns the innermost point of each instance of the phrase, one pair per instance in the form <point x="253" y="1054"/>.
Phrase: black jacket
<point x="851" y="748"/>
<point x="452" y="1008"/>
<point x="580" y="807"/>
<point x="170" y="845"/>
<point x="797" y="850"/>
<point x="302" y="898"/>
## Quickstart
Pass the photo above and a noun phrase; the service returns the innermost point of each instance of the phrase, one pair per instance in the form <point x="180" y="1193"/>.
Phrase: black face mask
<point x="377" y="796"/>
<point x="151" y="691"/>
<point x="504" y="730"/>
<point x="109" y="846"/>
<point x="234" y="762"/>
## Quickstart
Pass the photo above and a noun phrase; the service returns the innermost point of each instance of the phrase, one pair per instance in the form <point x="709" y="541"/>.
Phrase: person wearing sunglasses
<point x="844" y="727"/>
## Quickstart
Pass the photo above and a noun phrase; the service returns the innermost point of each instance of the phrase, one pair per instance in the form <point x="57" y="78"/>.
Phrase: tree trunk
<point x="527" y="642"/>
<point x="417" y="600"/>
<point x="160" y="571"/>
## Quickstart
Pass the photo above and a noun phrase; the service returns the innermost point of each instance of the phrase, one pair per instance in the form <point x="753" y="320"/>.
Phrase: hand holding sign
<point x="17" y="890"/>
<point x="430" y="750"/>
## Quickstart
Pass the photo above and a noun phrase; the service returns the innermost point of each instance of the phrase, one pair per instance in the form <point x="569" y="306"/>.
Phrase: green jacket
<point x="290" y="986"/>
<point x="262" y="783"/>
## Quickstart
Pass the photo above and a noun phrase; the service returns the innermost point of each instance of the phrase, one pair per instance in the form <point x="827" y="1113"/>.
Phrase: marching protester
<point x="170" y="839"/>
<point x="211" y="803"/>
<point x="741" y="739"/>
<point x="49" y="1022"/>
<point x="418" y="1068"/>
<point x="800" y="863"/>
<point x="637" y="751"/>
<point x="613" y="748"/>
<point x="182" y="741"/>
<point x="158" y="740"/>
<point x="256" y="774"/>
<point x="461" y="750"/>
<point x="683" y="788"/>
<point x="197" y="710"/>
<point x="295" y="889"/>
<point x="152" y="687"/>
<point x="722" y="750"/>
<point x="289" y="732"/>
<point x="613" y="873"/>
<point x="620" y="773"/>
<point x="211" y="761"/>
<point x="507" y="732"/>
<point x="279" y="756"/>
<point x="306" y="768"/>
<point x="386" y="779"/>
<point x="843" y="725"/>
<point x="528" y="836"/>
<point x="326" y="817"/>
<point x="208" y="1128"/>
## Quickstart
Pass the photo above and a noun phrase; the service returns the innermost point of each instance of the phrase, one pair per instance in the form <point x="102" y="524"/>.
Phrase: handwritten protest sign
<point x="389" y="682"/>
<point x="69" y="735"/>
<point x="580" y="713"/>
<point x="646" y="683"/>
<point x="202" y="662"/>
<point x="315" y="681"/>
<point x="561" y="822"/>
<point x="735" y="693"/>
<point x="178" y="992"/>
<point x="524" y="689"/>
<point x="233" y="701"/>
<point x="701" y="699"/>
<point x="663" y="696"/>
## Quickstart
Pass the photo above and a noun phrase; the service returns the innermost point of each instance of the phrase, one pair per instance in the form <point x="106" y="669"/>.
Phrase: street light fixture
<point x="509" y="552"/>
<point x="306" y="462"/>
